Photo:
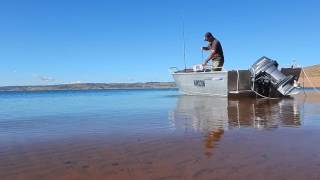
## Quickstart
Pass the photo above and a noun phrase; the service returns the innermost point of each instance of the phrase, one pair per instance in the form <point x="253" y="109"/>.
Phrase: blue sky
<point x="60" y="41"/>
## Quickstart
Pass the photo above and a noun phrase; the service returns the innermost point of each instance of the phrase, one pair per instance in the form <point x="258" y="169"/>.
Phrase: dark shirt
<point x="217" y="48"/>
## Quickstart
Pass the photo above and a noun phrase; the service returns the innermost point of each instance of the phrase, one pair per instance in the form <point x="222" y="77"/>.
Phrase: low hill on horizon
<point x="311" y="73"/>
<point x="91" y="86"/>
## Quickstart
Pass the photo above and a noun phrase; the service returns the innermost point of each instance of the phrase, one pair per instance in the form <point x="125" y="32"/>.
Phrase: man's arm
<point x="205" y="48"/>
<point x="211" y="56"/>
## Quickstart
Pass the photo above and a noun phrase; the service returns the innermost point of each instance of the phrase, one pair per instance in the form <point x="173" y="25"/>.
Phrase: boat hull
<point x="202" y="83"/>
<point x="220" y="83"/>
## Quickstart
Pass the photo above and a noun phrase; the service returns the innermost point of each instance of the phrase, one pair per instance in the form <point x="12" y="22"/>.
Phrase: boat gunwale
<point x="192" y="73"/>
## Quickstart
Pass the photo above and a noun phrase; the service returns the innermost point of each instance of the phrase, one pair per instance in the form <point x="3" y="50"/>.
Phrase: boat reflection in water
<point x="213" y="116"/>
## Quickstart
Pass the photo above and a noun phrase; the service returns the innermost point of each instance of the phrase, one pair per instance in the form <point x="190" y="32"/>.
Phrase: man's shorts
<point x="217" y="63"/>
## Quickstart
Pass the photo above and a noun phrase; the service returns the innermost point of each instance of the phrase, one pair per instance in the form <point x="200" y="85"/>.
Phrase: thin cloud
<point x="130" y="79"/>
<point x="76" y="82"/>
<point x="44" y="78"/>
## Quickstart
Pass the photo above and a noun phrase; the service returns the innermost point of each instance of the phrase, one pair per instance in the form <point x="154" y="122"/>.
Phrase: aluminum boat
<point x="262" y="79"/>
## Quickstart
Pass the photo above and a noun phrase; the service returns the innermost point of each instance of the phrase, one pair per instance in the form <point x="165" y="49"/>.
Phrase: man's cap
<point x="207" y="35"/>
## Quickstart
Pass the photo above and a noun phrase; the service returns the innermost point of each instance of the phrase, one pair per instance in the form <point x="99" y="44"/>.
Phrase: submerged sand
<point x="250" y="139"/>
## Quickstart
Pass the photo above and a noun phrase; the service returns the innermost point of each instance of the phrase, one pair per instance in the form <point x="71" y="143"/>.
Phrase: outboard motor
<point x="268" y="81"/>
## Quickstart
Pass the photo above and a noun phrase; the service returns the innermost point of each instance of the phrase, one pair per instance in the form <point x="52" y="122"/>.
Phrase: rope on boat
<point x="252" y="88"/>
<point x="265" y="97"/>
<point x="258" y="94"/>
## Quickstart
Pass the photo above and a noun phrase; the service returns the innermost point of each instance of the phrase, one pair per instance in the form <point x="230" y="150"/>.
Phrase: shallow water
<point x="157" y="134"/>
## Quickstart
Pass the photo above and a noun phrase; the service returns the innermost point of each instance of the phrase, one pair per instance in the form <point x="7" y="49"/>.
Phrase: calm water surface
<point x="157" y="134"/>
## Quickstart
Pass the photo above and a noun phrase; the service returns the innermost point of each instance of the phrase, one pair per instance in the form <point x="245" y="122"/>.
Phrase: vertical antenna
<point x="184" y="45"/>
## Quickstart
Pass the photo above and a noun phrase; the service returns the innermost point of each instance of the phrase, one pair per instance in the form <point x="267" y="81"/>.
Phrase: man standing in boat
<point x="216" y="52"/>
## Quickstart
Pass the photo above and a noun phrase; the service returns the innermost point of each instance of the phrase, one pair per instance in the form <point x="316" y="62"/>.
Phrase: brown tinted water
<point x="203" y="138"/>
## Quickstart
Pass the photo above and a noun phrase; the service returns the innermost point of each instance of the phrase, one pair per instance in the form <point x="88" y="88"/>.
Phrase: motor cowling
<point x="268" y="80"/>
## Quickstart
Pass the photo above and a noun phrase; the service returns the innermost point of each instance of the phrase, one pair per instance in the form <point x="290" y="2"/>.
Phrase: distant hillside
<point x="92" y="86"/>
<point x="313" y="72"/>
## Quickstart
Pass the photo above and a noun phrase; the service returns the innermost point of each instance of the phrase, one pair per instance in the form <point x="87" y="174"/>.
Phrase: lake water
<point x="157" y="134"/>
